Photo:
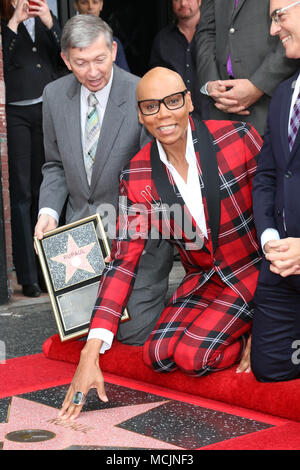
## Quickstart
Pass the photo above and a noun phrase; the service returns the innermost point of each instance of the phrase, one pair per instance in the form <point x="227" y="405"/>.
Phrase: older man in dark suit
<point x="276" y="326"/>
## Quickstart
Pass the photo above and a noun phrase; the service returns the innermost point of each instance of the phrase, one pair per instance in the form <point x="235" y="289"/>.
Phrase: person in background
<point x="276" y="323"/>
<point x="31" y="56"/>
<point x="94" y="7"/>
<point x="239" y="64"/>
<point x="174" y="46"/>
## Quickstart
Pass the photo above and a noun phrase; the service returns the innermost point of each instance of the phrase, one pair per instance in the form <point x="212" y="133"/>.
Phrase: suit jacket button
<point x="288" y="174"/>
<point x="91" y="201"/>
<point x="34" y="49"/>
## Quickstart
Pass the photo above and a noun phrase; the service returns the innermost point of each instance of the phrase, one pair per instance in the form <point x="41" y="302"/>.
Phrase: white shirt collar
<point x="102" y="95"/>
<point x="190" y="190"/>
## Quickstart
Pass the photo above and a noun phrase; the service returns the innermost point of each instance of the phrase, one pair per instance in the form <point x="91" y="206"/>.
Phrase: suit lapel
<point x="37" y="30"/>
<point x="237" y="9"/>
<point x="73" y="125"/>
<point x="210" y="174"/>
<point x="23" y="31"/>
<point x="170" y="197"/>
<point x="111" y="124"/>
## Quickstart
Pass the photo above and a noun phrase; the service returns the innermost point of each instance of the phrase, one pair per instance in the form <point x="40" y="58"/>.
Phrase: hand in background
<point x="41" y="9"/>
<point x="20" y="14"/>
<point x="238" y="96"/>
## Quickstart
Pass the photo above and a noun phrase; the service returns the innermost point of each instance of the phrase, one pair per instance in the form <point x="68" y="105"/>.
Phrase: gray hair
<point x="82" y="30"/>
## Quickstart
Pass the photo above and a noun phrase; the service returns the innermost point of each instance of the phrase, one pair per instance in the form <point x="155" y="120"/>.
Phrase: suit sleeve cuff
<point x="268" y="235"/>
<point x="49" y="211"/>
<point x="204" y="90"/>
<point x="105" y="335"/>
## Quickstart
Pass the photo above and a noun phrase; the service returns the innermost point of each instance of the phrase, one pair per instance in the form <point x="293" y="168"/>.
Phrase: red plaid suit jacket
<point x="226" y="165"/>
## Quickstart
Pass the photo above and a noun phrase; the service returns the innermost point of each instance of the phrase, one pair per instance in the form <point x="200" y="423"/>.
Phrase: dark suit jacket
<point x="256" y="55"/>
<point x="276" y="184"/>
<point x="30" y="66"/>
<point x="226" y="168"/>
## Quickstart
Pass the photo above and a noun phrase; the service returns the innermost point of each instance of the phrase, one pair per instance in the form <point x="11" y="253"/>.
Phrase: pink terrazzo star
<point x="75" y="258"/>
<point x="92" y="428"/>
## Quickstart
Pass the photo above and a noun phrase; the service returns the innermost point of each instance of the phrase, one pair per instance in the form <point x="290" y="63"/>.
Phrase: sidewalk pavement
<point x="25" y="322"/>
<point x="18" y="300"/>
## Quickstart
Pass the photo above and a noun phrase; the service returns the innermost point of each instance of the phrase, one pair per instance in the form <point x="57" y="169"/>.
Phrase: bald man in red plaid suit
<point x="205" y="325"/>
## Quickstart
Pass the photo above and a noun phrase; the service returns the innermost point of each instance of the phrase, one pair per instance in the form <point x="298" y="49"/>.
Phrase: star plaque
<point x="72" y="259"/>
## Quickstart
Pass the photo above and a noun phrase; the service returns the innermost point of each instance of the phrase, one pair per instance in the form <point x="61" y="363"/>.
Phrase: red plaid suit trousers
<point x="202" y="333"/>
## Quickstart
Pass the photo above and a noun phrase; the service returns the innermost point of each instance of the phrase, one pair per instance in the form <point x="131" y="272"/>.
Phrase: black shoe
<point x="42" y="285"/>
<point x="31" y="290"/>
<point x="41" y="280"/>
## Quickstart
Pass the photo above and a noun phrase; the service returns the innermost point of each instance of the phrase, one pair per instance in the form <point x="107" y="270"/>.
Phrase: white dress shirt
<point x="271" y="233"/>
<point x="191" y="193"/>
<point x="190" y="190"/>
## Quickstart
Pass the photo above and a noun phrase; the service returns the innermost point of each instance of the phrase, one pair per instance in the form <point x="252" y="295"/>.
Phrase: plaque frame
<point x="73" y="328"/>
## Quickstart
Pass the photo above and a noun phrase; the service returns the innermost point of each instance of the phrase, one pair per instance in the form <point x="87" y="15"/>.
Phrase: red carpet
<point x="241" y="390"/>
<point x="286" y="437"/>
<point x="37" y="372"/>
<point x="30" y="373"/>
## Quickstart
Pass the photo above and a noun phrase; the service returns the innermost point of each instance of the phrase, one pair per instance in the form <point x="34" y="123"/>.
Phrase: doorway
<point x="134" y="22"/>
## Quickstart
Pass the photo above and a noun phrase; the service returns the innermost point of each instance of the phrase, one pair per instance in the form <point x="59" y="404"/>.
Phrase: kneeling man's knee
<point x="268" y="369"/>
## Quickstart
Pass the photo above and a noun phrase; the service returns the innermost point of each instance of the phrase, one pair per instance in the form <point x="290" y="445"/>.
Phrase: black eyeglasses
<point x="171" y="102"/>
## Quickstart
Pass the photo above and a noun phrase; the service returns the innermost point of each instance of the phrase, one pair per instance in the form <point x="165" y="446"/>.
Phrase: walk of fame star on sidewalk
<point x="94" y="428"/>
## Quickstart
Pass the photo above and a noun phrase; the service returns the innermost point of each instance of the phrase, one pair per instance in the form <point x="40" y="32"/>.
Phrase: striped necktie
<point x="92" y="131"/>
<point x="294" y="123"/>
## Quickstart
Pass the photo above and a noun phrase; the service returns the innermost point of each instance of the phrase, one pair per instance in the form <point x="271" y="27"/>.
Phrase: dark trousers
<point x="25" y="158"/>
<point x="275" y="349"/>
